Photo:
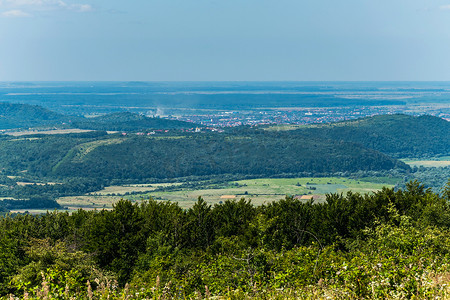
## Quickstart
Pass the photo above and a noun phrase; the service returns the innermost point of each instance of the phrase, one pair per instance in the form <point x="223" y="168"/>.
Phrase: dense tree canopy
<point x="208" y="245"/>
<point x="396" y="135"/>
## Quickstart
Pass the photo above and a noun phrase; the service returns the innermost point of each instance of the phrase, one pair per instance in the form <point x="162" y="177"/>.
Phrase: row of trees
<point x="233" y="245"/>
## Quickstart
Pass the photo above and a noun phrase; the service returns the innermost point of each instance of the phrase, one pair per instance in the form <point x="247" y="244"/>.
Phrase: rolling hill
<point x="368" y="144"/>
<point x="396" y="135"/>
<point x="126" y="121"/>
<point x="170" y="156"/>
<point x="14" y="115"/>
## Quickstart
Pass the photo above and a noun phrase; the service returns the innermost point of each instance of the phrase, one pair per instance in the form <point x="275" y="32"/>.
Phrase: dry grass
<point x="108" y="289"/>
<point x="428" y="163"/>
<point x="85" y="148"/>
<point x="20" y="183"/>
<point x="52" y="131"/>
<point x="140" y="188"/>
<point x="88" y="202"/>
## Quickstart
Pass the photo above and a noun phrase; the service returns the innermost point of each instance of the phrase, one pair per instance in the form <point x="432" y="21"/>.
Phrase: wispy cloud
<point x="84" y="7"/>
<point x="23" y="8"/>
<point x="445" y="7"/>
<point x="74" y="7"/>
<point x="15" y="13"/>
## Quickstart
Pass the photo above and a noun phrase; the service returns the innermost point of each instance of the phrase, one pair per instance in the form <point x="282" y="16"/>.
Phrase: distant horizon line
<point x="187" y="81"/>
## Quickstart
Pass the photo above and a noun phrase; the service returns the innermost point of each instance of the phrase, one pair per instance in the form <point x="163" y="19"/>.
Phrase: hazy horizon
<point x="213" y="40"/>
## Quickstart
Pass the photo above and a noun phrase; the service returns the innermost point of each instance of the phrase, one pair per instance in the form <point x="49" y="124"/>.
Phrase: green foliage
<point x="289" y="222"/>
<point x="213" y="154"/>
<point x="55" y="263"/>
<point x="9" y="259"/>
<point x="391" y="244"/>
<point x="24" y="115"/>
<point x="138" y="158"/>
<point x="126" y="121"/>
<point x="33" y="203"/>
<point x="83" y="163"/>
<point x="200" y="225"/>
<point x="396" y="135"/>
<point x="16" y="115"/>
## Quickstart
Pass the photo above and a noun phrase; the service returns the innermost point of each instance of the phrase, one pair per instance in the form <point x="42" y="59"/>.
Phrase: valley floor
<point x="259" y="191"/>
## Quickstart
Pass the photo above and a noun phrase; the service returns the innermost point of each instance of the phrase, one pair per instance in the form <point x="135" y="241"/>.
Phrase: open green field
<point x="88" y="202"/>
<point x="285" y="127"/>
<point x="258" y="190"/>
<point x="443" y="161"/>
<point x="270" y="189"/>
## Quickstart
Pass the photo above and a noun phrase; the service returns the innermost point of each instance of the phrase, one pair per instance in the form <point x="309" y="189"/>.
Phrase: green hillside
<point x="346" y="146"/>
<point x="395" y="135"/>
<point x="139" y="157"/>
<point x="320" y="149"/>
<point x="24" y="115"/>
<point x="126" y="121"/>
<point x="13" y="115"/>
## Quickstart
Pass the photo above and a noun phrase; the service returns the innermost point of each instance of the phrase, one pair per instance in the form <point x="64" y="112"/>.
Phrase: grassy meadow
<point x="443" y="161"/>
<point x="260" y="191"/>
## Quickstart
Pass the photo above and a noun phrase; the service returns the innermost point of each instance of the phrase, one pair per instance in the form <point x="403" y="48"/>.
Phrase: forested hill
<point x="126" y="121"/>
<point x="14" y="115"/>
<point x="169" y="156"/>
<point x="23" y="115"/>
<point x="396" y="135"/>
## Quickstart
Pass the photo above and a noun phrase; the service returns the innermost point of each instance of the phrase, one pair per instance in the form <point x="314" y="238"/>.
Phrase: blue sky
<point x="190" y="40"/>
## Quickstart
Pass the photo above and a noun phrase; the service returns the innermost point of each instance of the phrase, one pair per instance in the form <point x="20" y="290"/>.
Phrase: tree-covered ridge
<point x="14" y="115"/>
<point x="38" y="154"/>
<point x="215" y="154"/>
<point x="395" y="135"/>
<point x="139" y="157"/>
<point x="126" y="121"/>
<point x="386" y="245"/>
<point x="86" y="162"/>
<point x="25" y="115"/>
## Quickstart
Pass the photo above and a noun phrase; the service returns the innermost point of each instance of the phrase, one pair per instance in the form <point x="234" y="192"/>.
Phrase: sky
<point x="225" y="40"/>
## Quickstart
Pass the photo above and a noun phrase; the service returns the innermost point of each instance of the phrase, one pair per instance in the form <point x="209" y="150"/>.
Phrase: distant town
<point x="304" y="116"/>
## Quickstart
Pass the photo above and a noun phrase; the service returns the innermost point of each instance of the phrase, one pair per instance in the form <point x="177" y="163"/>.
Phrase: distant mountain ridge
<point x="16" y="116"/>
